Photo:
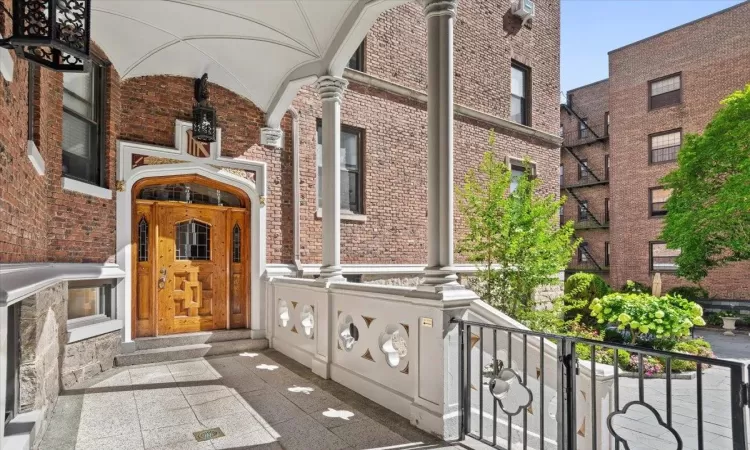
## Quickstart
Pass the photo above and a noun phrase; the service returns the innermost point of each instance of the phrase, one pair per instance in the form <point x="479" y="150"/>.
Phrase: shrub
<point x="697" y="347"/>
<point x="643" y="314"/>
<point x="689" y="292"/>
<point x="634" y="287"/>
<point x="580" y="290"/>
<point x="714" y="319"/>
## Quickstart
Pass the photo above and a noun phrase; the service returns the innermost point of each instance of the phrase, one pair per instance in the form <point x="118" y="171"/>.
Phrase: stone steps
<point x="188" y="346"/>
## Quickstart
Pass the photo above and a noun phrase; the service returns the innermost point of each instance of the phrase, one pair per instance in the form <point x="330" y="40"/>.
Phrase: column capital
<point x="434" y="8"/>
<point x="331" y="88"/>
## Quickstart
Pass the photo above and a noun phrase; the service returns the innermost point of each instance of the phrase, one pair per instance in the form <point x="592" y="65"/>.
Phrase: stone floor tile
<point x="206" y="445"/>
<point x="153" y="419"/>
<point x="128" y="441"/>
<point x="309" y="401"/>
<point x="198" y="398"/>
<point x="171" y="435"/>
<point x="304" y="433"/>
<point x="259" y="439"/>
<point x="235" y="424"/>
<point x="335" y="417"/>
<point x="217" y="407"/>
<point x="368" y="434"/>
<point x="270" y="407"/>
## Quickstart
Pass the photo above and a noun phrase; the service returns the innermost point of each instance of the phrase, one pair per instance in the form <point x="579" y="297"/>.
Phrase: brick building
<point x="90" y="165"/>
<point x="659" y="89"/>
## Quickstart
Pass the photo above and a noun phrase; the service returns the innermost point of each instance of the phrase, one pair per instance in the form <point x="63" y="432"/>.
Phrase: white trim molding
<point x="346" y="216"/>
<point x="309" y="270"/>
<point x="6" y="64"/>
<point x="35" y="157"/>
<point x="88" y="327"/>
<point x="80" y="187"/>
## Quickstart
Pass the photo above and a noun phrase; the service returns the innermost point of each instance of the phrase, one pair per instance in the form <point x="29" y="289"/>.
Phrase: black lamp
<point x="52" y="33"/>
<point x="204" y="115"/>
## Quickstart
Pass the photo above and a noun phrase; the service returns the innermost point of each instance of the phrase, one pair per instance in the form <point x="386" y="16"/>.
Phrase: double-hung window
<point x="583" y="170"/>
<point x="83" y="131"/>
<point x="518" y="169"/>
<point x="662" y="259"/>
<point x="657" y="199"/>
<point x="663" y="147"/>
<point x="351" y="169"/>
<point x="666" y="91"/>
<point x="357" y="61"/>
<point x="520" y="94"/>
<point x="583" y="129"/>
<point x="583" y="211"/>
<point x="583" y="255"/>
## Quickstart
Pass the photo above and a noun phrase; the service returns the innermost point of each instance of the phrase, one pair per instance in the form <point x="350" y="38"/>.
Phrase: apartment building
<point x="658" y="90"/>
<point x="102" y="176"/>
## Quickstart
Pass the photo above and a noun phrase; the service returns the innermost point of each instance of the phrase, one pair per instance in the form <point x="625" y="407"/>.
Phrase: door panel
<point x="144" y="229"/>
<point x="239" y="255"/>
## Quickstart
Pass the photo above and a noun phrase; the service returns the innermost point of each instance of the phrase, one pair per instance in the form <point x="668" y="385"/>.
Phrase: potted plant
<point x="729" y="319"/>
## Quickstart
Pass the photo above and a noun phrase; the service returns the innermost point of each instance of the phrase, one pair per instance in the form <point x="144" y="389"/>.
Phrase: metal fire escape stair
<point x="583" y="205"/>
<point x="591" y="259"/>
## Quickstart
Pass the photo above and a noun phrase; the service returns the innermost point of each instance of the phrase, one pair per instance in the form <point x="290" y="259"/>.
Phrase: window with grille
<point x="143" y="240"/>
<point x="662" y="258"/>
<point x="665" y="91"/>
<point x="236" y="244"/>
<point x="520" y="93"/>
<point x="658" y="200"/>
<point x="83" y="117"/>
<point x="190" y="193"/>
<point x="583" y="212"/>
<point x="193" y="241"/>
<point x="663" y="147"/>
<point x="351" y="168"/>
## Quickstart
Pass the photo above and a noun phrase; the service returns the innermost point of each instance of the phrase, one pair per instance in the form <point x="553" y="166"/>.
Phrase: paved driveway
<point x="258" y="400"/>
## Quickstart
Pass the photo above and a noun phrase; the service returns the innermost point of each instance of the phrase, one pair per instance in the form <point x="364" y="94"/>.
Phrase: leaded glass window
<point x="190" y="193"/>
<point x="193" y="241"/>
<point x="143" y="240"/>
<point x="236" y="244"/>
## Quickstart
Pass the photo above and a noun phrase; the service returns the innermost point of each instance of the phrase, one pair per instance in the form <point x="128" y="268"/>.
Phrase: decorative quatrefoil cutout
<point x="620" y="424"/>
<point x="307" y="320"/>
<point x="283" y="313"/>
<point x="348" y="334"/>
<point x="510" y="392"/>
<point x="393" y="344"/>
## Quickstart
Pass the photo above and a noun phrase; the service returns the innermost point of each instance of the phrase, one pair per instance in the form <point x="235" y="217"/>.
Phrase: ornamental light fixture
<point x="51" y="33"/>
<point x="204" y="115"/>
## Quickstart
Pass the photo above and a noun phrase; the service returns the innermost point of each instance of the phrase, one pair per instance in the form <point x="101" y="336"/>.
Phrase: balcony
<point x="586" y="135"/>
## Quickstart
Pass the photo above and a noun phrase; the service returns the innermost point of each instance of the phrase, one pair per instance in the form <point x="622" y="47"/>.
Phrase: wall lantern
<point x="52" y="33"/>
<point x="204" y="115"/>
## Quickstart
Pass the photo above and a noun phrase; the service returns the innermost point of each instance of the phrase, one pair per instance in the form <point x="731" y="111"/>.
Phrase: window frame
<point x="583" y="128"/>
<point x="606" y="123"/>
<point x="606" y="210"/>
<point x="606" y="166"/>
<point x="651" y="258"/>
<point x="106" y="303"/>
<point x="651" y="213"/>
<point x="583" y="173"/>
<point x="655" y="80"/>
<point x="526" y="100"/>
<point x="516" y="163"/>
<point x="361" y="139"/>
<point x="99" y="71"/>
<point x="360" y="54"/>
<point x="606" y="253"/>
<point x="583" y="213"/>
<point x="651" y="147"/>
<point x="582" y="254"/>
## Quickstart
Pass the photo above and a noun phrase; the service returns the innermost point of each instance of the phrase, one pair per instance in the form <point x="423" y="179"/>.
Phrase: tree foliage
<point x="512" y="237"/>
<point x="709" y="209"/>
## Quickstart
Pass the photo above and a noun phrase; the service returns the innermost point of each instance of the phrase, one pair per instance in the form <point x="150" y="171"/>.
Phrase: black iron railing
<point x="585" y="134"/>
<point x="508" y="375"/>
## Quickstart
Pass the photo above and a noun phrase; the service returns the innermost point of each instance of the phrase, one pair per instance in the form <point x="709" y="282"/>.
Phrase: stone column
<point x="331" y="90"/>
<point x="440" y="274"/>
<point x="3" y="365"/>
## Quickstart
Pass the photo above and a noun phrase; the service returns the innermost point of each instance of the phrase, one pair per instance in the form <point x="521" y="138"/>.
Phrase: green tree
<point x="513" y="237"/>
<point x="709" y="209"/>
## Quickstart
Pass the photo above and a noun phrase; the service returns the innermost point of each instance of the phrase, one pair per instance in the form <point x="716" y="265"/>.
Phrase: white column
<point x="331" y="90"/>
<point x="3" y="366"/>
<point x="440" y="273"/>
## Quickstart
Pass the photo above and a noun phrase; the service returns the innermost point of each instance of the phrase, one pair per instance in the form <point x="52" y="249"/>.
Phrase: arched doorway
<point x="190" y="256"/>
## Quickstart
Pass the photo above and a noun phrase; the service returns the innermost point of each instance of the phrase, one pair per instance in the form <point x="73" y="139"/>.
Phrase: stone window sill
<point x="88" y="327"/>
<point x="70" y="184"/>
<point x="346" y="216"/>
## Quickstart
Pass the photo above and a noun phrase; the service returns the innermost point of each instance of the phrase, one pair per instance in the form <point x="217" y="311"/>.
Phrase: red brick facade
<point x="40" y="221"/>
<point x="708" y="54"/>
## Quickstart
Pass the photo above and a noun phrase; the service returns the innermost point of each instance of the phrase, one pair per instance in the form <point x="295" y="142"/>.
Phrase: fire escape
<point x="586" y="134"/>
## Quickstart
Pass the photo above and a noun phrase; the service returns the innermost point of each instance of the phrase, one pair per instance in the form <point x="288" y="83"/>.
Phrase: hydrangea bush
<point x="641" y="314"/>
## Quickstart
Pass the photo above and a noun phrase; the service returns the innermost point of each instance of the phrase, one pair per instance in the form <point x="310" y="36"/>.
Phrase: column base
<point x="331" y="274"/>
<point x="442" y="277"/>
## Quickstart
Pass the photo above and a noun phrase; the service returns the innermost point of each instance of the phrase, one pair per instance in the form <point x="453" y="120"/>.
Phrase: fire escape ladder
<point x="581" y="164"/>
<point x="583" y="205"/>
<point x="591" y="258"/>
<point x="570" y="110"/>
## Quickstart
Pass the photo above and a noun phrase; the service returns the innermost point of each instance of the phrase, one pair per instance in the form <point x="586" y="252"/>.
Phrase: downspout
<point x="295" y="189"/>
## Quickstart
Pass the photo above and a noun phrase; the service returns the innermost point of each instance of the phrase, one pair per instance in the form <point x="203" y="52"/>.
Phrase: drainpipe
<point x="295" y="186"/>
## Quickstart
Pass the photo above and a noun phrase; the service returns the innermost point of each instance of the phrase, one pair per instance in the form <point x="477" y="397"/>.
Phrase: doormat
<point x="209" y="434"/>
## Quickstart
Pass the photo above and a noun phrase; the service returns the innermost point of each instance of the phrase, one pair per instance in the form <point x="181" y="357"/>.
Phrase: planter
<point x="729" y="325"/>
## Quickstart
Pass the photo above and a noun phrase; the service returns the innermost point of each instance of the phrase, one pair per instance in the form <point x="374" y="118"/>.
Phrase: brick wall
<point x="709" y="54"/>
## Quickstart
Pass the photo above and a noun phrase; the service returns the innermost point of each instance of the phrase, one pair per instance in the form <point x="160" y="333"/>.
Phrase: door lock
<point x="162" y="278"/>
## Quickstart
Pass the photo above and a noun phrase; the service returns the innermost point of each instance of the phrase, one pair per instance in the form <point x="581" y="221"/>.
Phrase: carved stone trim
<point x="331" y="88"/>
<point x="433" y="8"/>
<point x="272" y="137"/>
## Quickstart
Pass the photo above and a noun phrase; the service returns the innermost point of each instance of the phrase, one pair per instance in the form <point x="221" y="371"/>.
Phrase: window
<point x="583" y="170"/>
<point x="351" y="169"/>
<point x="657" y="198"/>
<point x="665" y="91"/>
<point x="143" y="240"/>
<point x="583" y="129"/>
<point x="83" y="130"/>
<point x="662" y="258"/>
<point x="13" y="368"/>
<point x="663" y="147"/>
<point x="562" y="175"/>
<point x="562" y="215"/>
<point x="518" y="169"/>
<point x="583" y="252"/>
<point x="236" y="244"/>
<point x="32" y="101"/>
<point x="583" y="211"/>
<point x="606" y="123"/>
<point x="357" y="61"/>
<point x="606" y="210"/>
<point x="193" y="241"/>
<point x="90" y="298"/>
<point x="606" y="254"/>
<point x="519" y="94"/>
<point x="606" y="167"/>
<point x="190" y="193"/>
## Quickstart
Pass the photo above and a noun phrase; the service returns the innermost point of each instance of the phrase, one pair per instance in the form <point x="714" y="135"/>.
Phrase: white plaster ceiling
<point x="264" y="50"/>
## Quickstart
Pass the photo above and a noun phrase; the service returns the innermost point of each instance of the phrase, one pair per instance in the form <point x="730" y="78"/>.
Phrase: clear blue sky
<point x="591" y="28"/>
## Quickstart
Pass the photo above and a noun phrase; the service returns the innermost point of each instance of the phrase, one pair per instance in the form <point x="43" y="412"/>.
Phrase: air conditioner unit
<point x="524" y="9"/>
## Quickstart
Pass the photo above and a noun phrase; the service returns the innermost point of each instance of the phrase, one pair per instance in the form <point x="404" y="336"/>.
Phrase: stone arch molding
<point x="177" y="161"/>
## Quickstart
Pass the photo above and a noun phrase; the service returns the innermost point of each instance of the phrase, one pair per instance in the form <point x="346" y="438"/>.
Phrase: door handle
<point x="162" y="278"/>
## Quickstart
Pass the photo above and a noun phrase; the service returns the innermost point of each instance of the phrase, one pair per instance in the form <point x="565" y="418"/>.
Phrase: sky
<point x="591" y="28"/>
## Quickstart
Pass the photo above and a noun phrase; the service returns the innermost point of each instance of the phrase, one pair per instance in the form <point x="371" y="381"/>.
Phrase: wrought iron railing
<point x="586" y="134"/>
<point x="524" y="389"/>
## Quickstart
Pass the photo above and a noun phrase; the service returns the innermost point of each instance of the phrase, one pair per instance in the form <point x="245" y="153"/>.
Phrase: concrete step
<point x="180" y="352"/>
<point x="202" y="337"/>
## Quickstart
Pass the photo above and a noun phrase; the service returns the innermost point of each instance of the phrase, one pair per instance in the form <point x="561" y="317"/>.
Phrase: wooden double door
<point x="191" y="265"/>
